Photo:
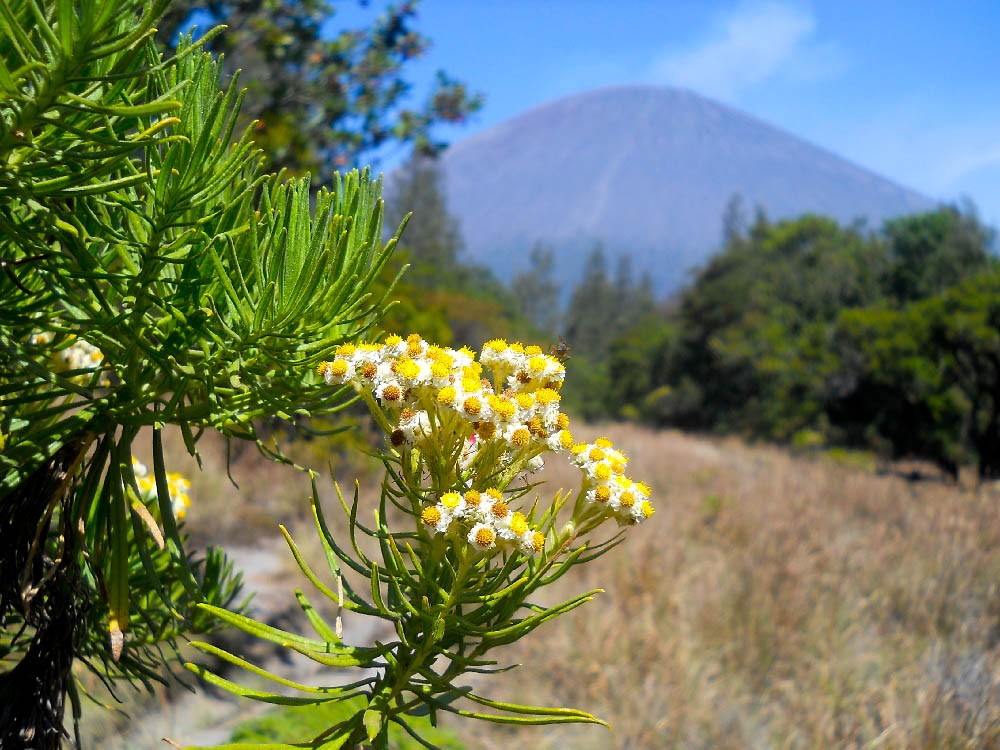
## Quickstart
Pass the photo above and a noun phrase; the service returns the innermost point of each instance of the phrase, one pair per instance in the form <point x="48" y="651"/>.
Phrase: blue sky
<point x="909" y="89"/>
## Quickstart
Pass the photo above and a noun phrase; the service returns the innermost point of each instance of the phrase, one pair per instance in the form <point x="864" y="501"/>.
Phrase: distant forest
<point x="798" y="331"/>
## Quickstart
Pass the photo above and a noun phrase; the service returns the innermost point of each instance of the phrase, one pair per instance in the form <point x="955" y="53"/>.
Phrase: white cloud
<point x="751" y="44"/>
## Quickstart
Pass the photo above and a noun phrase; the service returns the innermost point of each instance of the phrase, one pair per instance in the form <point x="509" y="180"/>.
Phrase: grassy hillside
<point x="774" y="601"/>
<point x="778" y="601"/>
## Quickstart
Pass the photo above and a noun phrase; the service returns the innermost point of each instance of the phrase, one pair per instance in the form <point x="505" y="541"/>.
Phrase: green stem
<point x="415" y="662"/>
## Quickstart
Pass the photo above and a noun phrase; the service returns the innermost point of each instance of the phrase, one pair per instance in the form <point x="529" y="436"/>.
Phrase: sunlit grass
<point x="778" y="602"/>
<point x="773" y="601"/>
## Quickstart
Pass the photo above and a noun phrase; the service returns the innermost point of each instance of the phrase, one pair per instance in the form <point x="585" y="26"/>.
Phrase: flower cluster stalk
<point x="464" y="539"/>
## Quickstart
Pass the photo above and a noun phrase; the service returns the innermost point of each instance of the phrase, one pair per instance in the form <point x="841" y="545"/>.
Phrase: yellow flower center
<point x="408" y="368"/>
<point x="472" y="406"/>
<point x="546" y="396"/>
<point x="521" y="437"/>
<point x="525" y="400"/>
<point x="431" y="515"/>
<point x="538" y="541"/>
<point x="485" y="536"/>
<point x="504" y="408"/>
<point x="535" y="427"/>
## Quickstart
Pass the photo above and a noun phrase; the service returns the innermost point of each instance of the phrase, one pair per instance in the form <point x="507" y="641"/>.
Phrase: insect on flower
<point x="560" y="350"/>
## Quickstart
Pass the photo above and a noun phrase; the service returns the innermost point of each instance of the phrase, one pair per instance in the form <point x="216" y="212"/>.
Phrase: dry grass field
<point x="777" y="602"/>
<point x="773" y="601"/>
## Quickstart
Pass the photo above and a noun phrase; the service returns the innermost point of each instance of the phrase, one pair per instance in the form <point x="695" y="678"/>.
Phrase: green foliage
<point x="750" y="327"/>
<point x="536" y="290"/>
<point x="433" y="242"/>
<point x="965" y="334"/>
<point x="462" y="550"/>
<point x="805" y="328"/>
<point x="324" y="101"/>
<point x="301" y="723"/>
<point x="154" y="276"/>
<point x="891" y="392"/>
<point x="600" y="309"/>
<point x="926" y="377"/>
<point x="933" y="251"/>
<point x="443" y="297"/>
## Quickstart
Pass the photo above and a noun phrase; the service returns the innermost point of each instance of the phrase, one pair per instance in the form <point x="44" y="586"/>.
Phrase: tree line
<point x="800" y="331"/>
<point x="810" y="332"/>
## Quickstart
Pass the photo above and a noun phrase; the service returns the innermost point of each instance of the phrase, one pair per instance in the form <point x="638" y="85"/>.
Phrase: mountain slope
<point x="646" y="170"/>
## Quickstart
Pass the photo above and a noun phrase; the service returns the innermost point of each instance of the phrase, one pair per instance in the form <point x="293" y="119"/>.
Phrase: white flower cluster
<point x="80" y="355"/>
<point x="428" y="384"/>
<point x="489" y="520"/>
<point x="606" y="483"/>
<point x="440" y="401"/>
<point x="177" y="485"/>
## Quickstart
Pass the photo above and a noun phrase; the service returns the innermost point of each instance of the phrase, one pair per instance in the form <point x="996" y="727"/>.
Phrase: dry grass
<point x="773" y="601"/>
<point x="776" y="602"/>
<point x="242" y="496"/>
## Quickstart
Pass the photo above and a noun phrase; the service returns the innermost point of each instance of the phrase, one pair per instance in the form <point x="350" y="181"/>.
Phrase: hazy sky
<point x="909" y="89"/>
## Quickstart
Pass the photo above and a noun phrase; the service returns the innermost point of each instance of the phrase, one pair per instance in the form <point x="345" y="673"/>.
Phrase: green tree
<point x="536" y="290"/>
<point x="155" y="277"/>
<point x="890" y="392"/>
<point x="734" y="220"/>
<point x="592" y="314"/>
<point x="324" y="101"/>
<point x="632" y="300"/>
<point x="932" y="251"/>
<point x="637" y="367"/>
<point x="475" y="306"/>
<point x="600" y="309"/>
<point x="964" y="334"/>
<point x="433" y="241"/>
<point x="748" y="323"/>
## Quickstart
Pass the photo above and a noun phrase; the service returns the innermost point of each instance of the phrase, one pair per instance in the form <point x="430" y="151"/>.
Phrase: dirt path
<point x="209" y="717"/>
